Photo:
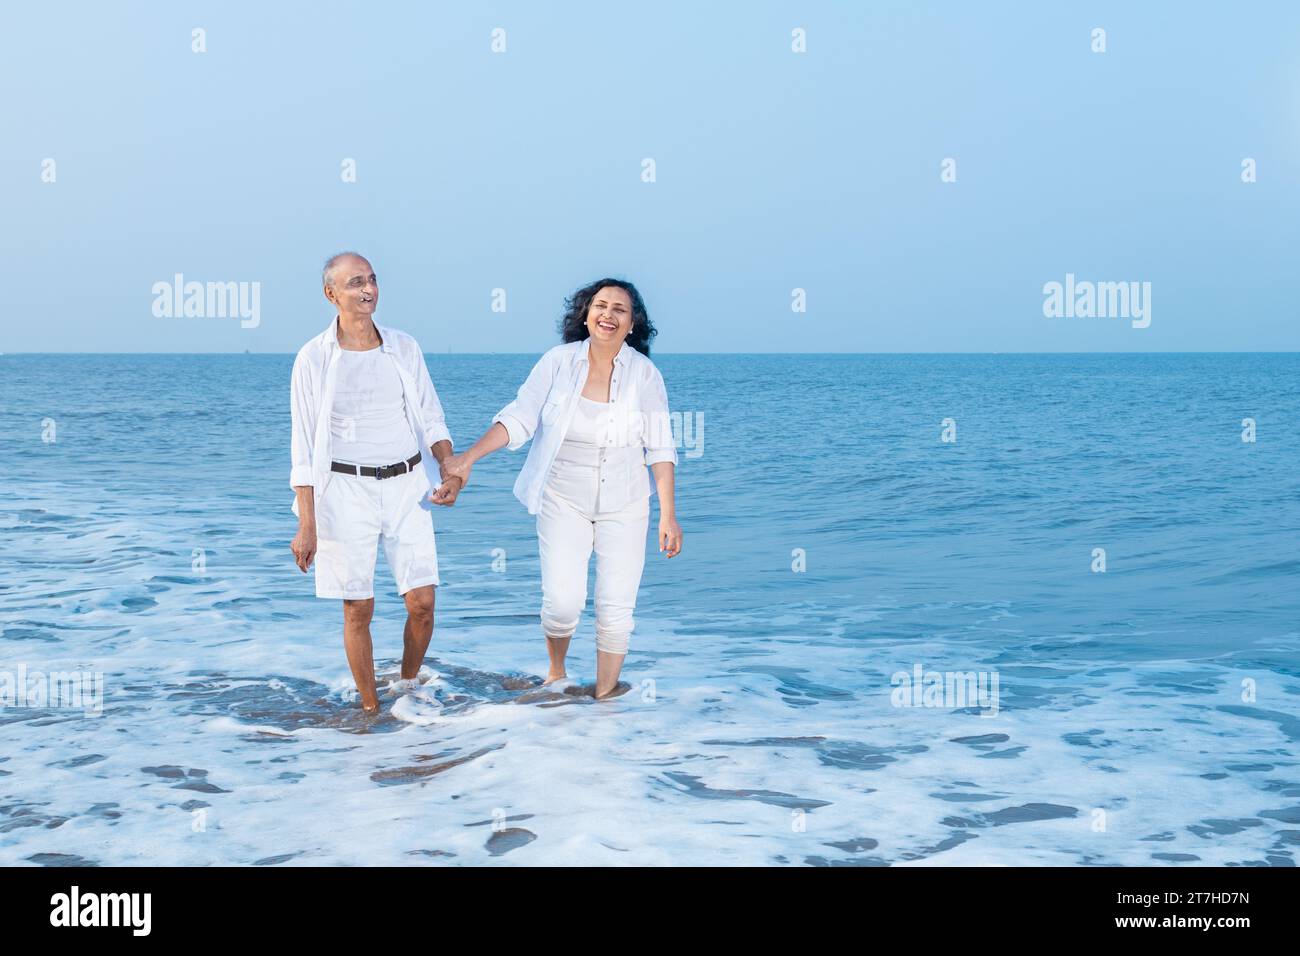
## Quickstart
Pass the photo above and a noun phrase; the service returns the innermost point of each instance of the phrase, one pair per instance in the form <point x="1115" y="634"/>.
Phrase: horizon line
<point x="952" y="352"/>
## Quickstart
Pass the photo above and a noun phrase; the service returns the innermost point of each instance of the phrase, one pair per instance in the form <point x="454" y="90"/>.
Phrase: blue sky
<point x="774" y="170"/>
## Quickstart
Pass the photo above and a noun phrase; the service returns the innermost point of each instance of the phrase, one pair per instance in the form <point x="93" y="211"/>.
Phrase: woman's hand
<point x="457" y="466"/>
<point x="670" y="536"/>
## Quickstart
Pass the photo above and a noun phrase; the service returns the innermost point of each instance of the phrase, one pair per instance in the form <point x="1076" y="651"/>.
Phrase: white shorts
<point x="354" y="515"/>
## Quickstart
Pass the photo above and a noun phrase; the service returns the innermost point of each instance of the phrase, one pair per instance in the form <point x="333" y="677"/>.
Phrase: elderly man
<point x="364" y="412"/>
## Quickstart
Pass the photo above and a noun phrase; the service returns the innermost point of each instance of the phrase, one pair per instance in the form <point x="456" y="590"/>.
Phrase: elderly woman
<point x="597" y="412"/>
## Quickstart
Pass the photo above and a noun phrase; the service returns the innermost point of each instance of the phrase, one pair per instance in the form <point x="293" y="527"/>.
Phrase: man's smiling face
<point x="353" y="287"/>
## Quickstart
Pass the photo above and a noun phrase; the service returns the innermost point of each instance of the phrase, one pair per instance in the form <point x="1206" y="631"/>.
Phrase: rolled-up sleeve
<point x="302" y="411"/>
<point x="435" y="423"/>
<point x="659" y="443"/>
<point x="522" y="416"/>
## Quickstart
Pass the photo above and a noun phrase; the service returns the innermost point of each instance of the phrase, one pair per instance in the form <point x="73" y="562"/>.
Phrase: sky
<point x="523" y="170"/>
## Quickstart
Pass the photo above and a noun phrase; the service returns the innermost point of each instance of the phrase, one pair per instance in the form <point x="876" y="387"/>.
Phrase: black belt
<point x="384" y="471"/>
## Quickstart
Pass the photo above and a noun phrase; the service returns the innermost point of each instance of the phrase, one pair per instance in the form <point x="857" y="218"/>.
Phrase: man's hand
<point x="447" y="492"/>
<point x="304" y="545"/>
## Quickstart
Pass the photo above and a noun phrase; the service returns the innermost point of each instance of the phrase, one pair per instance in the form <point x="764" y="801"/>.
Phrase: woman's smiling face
<point x="609" y="317"/>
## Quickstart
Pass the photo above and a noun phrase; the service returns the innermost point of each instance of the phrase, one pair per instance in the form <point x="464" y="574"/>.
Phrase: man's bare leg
<point x="557" y="647"/>
<point x="361" y="658"/>
<point x="419" y="629"/>
<point x="608" y="667"/>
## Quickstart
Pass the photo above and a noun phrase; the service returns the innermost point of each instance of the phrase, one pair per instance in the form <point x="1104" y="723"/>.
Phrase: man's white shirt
<point x="315" y="373"/>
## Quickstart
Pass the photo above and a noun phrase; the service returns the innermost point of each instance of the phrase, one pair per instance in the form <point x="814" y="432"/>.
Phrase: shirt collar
<point x="332" y="335"/>
<point x="620" y="357"/>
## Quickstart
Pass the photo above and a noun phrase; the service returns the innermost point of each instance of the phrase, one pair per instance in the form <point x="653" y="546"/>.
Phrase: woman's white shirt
<point x="637" y="428"/>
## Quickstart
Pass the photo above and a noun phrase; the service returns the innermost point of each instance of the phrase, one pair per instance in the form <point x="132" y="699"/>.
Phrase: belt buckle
<point x="379" y="473"/>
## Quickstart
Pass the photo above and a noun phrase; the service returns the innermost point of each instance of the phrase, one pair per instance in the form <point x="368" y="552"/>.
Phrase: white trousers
<point x="569" y="528"/>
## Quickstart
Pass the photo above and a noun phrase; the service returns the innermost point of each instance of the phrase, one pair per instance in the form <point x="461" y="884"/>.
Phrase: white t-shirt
<point x="590" y="423"/>
<point x="368" y="423"/>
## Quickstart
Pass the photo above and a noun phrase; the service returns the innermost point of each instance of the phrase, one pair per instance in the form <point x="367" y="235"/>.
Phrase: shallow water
<point x="1148" y="714"/>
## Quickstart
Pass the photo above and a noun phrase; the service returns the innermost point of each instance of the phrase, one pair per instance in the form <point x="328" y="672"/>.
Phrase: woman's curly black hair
<point x="573" y="326"/>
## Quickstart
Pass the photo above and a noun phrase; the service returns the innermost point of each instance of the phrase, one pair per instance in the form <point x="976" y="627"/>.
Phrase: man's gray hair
<point x="327" y="274"/>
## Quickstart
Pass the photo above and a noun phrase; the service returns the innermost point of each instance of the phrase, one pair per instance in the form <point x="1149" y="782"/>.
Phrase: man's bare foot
<point x="551" y="677"/>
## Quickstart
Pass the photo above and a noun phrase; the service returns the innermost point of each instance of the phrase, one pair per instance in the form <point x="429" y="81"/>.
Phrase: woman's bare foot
<point x="556" y="648"/>
<point x="608" y="666"/>
<point x="618" y="690"/>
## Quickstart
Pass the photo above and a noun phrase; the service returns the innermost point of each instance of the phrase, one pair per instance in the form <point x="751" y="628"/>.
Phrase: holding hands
<point x="452" y="482"/>
<point x="457" y="466"/>
<point x="447" y="492"/>
<point x="455" y="469"/>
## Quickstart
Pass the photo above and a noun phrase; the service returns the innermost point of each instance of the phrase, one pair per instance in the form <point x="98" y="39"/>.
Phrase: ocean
<point x="1095" y="549"/>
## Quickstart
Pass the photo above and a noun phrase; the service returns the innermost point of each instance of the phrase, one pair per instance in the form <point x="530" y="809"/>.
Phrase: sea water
<point x="1087" y="538"/>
